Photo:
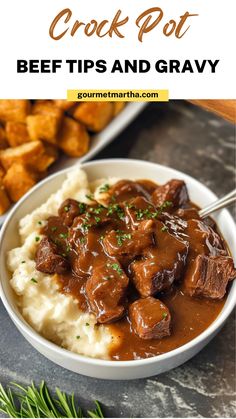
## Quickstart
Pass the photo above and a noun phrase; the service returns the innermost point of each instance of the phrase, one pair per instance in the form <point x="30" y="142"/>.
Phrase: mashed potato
<point x="52" y="314"/>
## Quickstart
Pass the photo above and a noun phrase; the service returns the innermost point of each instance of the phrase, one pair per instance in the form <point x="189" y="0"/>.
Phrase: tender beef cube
<point x="150" y="318"/>
<point x="106" y="291"/>
<point x="203" y="239"/>
<point x="48" y="260"/>
<point x="69" y="210"/>
<point x="162" y="265"/>
<point x="208" y="276"/>
<point x="129" y="243"/>
<point x="174" y="191"/>
<point x="137" y="210"/>
<point x="122" y="190"/>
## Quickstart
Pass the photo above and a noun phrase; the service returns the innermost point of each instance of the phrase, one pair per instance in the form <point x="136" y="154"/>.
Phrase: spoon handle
<point x="220" y="203"/>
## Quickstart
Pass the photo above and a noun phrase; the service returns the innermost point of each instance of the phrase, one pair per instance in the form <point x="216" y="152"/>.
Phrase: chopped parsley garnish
<point x="116" y="208"/>
<point x="82" y="240"/>
<point x="104" y="188"/>
<point x="97" y="210"/>
<point x="87" y="324"/>
<point x="68" y="249"/>
<point x="164" y="315"/>
<point x="54" y="229"/>
<point x="164" y="228"/>
<point x="78" y="337"/>
<point x="101" y="238"/>
<point x="85" y="227"/>
<point x="90" y="197"/>
<point x="34" y="280"/>
<point x="115" y="267"/>
<point x="63" y="235"/>
<point x="121" y="237"/>
<point x="165" y="205"/>
<point x="82" y="207"/>
<point x="37" y="238"/>
<point x="40" y="223"/>
<point x="23" y="261"/>
<point x="66" y="209"/>
<point x="97" y="219"/>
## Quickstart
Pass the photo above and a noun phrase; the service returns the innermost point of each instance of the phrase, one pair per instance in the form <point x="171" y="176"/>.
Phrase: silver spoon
<point x="220" y="203"/>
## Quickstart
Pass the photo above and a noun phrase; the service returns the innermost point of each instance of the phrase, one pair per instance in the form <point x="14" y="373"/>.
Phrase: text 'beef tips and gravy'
<point x="136" y="258"/>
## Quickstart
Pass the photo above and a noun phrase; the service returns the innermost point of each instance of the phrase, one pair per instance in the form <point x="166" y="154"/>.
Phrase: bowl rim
<point x="43" y="342"/>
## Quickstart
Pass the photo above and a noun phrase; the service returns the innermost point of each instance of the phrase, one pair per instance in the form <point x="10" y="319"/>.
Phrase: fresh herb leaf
<point x="63" y="235"/>
<point x="66" y="209"/>
<point x="37" y="238"/>
<point x="87" y="324"/>
<point x="40" y="223"/>
<point x="34" y="280"/>
<point x="164" y="228"/>
<point x="104" y="188"/>
<point x="97" y="219"/>
<point x="82" y="207"/>
<point x="115" y="267"/>
<point x="121" y="237"/>
<point x="90" y="197"/>
<point x="78" y="337"/>
<point x="54" y="229"/>
<point x="32" y="402"/>
<point x="164" y="315"/>
<point x="23" y="261"/>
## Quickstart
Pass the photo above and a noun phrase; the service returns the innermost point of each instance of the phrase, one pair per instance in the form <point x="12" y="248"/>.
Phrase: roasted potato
<point x="94" y="115"/>
<point x="14" y="110"/>
<point x="3" y="139"/>
<point x="43" y="127"/>
<point x="28" y="154"/>
<point x="18" y="180"/>
<point x="118" y="107"/>
<point x="48" y="157"/>
<point x="73" y="138"/>
<point x="4" y="200"/>
<point x="47" y="107"/>
<point x="64" y="104"/>
<point x="16" y="133"/>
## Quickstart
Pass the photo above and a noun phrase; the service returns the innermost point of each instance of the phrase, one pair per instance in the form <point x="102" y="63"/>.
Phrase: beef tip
<point x="48" y="260"/>
<point x="150" y="318"/>
<point x="162" y="264"/>
<point x="174" y="191"/>
<point x="69" y="210"/>
<point x="129" y="243"/>
<point x="123" y="189"/>
<point x="203" y="239"/>
<point x="208" y="276"/>
<point x="106" y="291"/>
<point x="137" y="210"/>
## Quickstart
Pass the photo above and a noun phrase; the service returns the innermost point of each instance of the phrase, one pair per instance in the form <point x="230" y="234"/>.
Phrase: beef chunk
<point x="150" y="318"/>
<point x="208" y="276"/>
<point x="123" y="189"/>
<point x="48" y="260"/>
<point x="69" y="210"/>
<point x="174" y="191"/>
<point x="162" y="265"/>
<point x="137" y="210"/>
<point x="129" y="243"/>
<point x="106" y="291"/>
<point x="203" y="239"/>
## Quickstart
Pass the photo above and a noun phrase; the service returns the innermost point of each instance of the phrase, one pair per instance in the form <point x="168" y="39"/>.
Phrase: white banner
<point x="185" y="46"/>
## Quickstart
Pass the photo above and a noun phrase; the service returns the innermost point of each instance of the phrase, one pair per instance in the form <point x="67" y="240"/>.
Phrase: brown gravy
<point x="189" y="316"/>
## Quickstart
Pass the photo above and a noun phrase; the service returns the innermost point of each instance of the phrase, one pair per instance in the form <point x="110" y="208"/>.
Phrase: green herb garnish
<point x="23" y="261"/>
<point x="78" y="337"/>
<point x="40" y="223"/>
<point x="115" y="267"/>
<point x="104" y="188"/>
<point x="82" y="207"/>
<point x="164" y="228"/>
<point x="90" y="197"/>
<point x="54" y="229"/>
<point x="34" y="280"/>
<point x="164" y="315"/>
<point x="37" y="238"/>
<point x="66" y="209"/>
<point x="36" y="402"/>
<point x="97" y="219"/>
<point x="63" y="235"/>
<point x="87" y="324"/>
<point x="82" y="240"/>
<point x="116" y="208"/>
<point x="121" y="237"/>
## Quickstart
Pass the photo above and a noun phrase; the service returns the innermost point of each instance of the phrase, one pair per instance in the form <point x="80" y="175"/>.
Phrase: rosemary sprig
<point x="33" y="402"/>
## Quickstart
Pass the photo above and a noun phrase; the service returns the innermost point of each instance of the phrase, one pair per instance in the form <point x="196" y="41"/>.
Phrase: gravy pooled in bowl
<point x="120" y="269"/>
<point x="141" y="261"/>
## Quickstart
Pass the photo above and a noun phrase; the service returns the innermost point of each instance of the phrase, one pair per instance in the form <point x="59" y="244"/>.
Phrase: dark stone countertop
<point x="187" y="138"/>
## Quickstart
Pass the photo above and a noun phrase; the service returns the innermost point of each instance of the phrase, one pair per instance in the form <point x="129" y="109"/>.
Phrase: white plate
<point x="99" y="141"/>
<point x="115" y="370"/>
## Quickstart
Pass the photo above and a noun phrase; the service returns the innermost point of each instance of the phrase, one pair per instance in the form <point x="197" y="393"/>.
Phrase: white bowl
<point x="115" y="370"/>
